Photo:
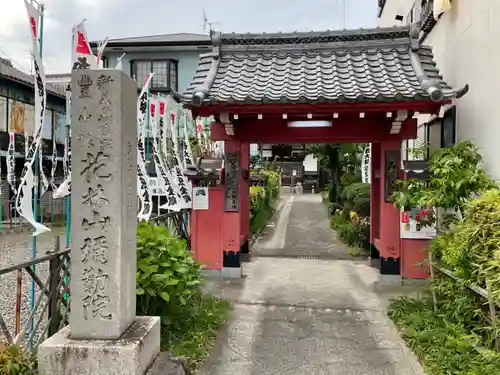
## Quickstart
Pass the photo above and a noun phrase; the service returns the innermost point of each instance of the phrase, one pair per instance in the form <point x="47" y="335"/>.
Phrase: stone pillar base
<point x="132" y="354"/>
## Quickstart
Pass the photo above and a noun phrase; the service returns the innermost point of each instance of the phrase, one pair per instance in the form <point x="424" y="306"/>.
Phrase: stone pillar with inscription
<point x="104" y="335"/>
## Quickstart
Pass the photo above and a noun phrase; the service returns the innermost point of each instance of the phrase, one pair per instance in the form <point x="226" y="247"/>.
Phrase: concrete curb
<point x="281" y="203"/>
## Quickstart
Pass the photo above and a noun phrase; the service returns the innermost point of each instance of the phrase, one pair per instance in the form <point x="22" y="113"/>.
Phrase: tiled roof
<point x="383" y="64"/>
<point x="177" y="38"/>
<point x="12" y="74"/>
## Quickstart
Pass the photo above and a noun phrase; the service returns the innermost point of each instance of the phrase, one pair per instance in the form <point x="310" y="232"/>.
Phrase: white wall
<point x="310" y="163"/>
<point x="254" y="149"/>
<point x="393" y="8"/>
<point x="466" y="45"/>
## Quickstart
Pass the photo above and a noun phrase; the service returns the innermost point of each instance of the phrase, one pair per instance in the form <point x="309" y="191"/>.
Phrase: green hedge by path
<point x="262" y="201"/>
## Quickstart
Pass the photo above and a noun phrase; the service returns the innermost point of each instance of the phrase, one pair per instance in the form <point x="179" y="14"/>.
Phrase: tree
<point x="342" y="160"/>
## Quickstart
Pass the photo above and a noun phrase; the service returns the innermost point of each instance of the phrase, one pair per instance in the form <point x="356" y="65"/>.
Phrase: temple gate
<point x="315" y="87"/>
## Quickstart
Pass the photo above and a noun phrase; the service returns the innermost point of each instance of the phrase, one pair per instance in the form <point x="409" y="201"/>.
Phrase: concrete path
<point x="296" y="314"/>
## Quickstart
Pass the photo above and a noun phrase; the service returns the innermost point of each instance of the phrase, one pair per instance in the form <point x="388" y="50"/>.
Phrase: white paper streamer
<point x="11" y="163"/>
<point x="44" y="183"/>
<point x="100" y="49"/>
<point x="162" y="172"/>
<point x="25" y="194"/>
<point x="53" y="165"/>
<point x="64" y="189"/>
<point x="143" y="189"/>
<point x="119" y="64"/>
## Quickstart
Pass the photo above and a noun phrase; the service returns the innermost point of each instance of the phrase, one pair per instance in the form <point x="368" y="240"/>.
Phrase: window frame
<point x="170" y="63"/>
<point x="449" y="114"/>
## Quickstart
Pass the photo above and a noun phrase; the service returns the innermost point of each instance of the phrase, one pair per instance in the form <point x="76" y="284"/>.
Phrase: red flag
<point x="83" y="58"/>
<point x="199" y="125"/>
<point x="162" y="108"/>
<point x="153" y="107"/>
<point x="81" y="44"/>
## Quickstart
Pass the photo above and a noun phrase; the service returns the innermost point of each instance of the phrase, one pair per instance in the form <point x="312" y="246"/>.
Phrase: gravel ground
<point x="14" y="249"/>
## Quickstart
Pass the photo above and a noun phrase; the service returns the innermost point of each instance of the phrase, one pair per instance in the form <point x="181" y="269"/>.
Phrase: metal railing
<point x="52" y="304"/>
<point x="51" y="274"/>
<point x="427" y="16"/>
<point x="178" y="223"/>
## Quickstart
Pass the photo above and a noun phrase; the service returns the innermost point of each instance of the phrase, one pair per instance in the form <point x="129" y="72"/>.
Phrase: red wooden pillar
<point x="231" y="256"/>
<point x="375" y="201"/>
<point x="389" y="241"/>
<point x="244" y="192"/>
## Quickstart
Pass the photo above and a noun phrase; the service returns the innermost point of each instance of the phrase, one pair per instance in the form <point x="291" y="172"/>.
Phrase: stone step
<point x="164" y="364"/>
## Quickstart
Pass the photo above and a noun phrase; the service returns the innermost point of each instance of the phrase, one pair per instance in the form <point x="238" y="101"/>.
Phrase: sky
<point x="127" y="18"/>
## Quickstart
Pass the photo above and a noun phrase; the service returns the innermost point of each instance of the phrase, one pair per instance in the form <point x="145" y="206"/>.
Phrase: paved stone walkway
<point x="305" y="315"/>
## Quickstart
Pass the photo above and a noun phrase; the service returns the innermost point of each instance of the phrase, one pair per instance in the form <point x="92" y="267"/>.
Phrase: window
<point x="4" y="112"/>
<point x="165" y="73"/>
<point x="448" y="129"/>
<point x="16" y="116"/>
<point x="47" y="126"/>
<point x="434" y="135"/>
<point x="29" y="119"/>
<point x="60" y="129"/>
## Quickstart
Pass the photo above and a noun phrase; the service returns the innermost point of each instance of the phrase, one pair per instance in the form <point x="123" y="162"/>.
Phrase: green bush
<point x="455" y="334"/>
<point x="356" y="197"/>
<point x="353" y="229"/>
<point x="262" y="201"/>
<point x="168" y="285"/>
<point x="167" y="275"/>
<point x="443" y="347"/>
<point x="15" y="361"/>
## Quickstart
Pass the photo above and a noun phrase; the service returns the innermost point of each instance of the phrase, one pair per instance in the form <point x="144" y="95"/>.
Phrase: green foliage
<point x="201" y="324"/>
<point x="167" y="275"/>
<point x="356" y="197"/>
<point x="457" y="334"/>
<point x="343" y="161"/>
<point x="15" y="361"/>
<point x="456" y="174"/>
<point x="168" y="285"/>
<point x="443" y="347"/>
<point x="262" y="200"/>
<point x="353" y="229"/>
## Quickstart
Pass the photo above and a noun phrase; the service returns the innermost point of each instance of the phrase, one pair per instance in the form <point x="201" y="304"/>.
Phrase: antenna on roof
<point x="206" y="23"/>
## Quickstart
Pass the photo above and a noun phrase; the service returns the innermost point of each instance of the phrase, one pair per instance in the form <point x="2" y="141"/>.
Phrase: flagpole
<point x="68" y="126"/>
<point x="36" y="187"/>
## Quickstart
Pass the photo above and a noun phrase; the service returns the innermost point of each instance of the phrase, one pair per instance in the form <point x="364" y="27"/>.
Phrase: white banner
<point x="11" y="163"/>
<point x="187" y="153"/>
<point x="24" y="197"/>
<point x="366" y="164"/>
<point x="143" y="189"/>
<point x="185" y="186"/>
<point x="161" y="171"/>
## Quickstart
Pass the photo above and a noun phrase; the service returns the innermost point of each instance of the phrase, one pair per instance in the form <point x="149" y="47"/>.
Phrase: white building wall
<point x="393" y="8"/>
<point x="466" y="44"/>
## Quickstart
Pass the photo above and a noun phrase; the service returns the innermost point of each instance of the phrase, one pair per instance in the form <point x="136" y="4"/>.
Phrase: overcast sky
<point x="124" y="18"/>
